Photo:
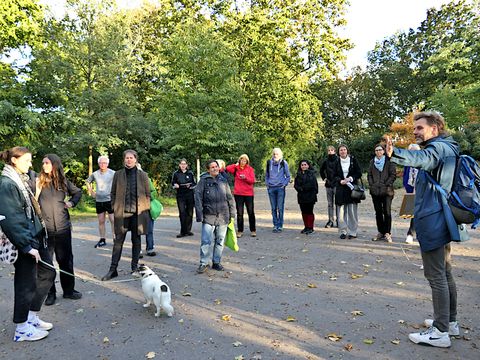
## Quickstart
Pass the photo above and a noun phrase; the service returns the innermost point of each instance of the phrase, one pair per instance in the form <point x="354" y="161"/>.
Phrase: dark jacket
<point x="214" y="202"/>
<point x="434" y="227"/>
<point x="183" y="178"/>
<point x="307" y="187"/>
<point x="22" y="232"/>
<point x="54" y="212"/>
<point x="118" y="196"/>
<point x="343" y="192"/>
<point x="327" y="171"/>
<point x="381" y="183"/>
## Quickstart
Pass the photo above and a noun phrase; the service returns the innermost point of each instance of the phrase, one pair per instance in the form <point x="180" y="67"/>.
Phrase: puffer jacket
<point x="22" y="232"/>
<point x="214" y="202"/>
<point x="327" y="171"/>
<point x="381" y="182"/>
<point x="433" y="225"/>
<point x="307" y="187"/>
<point x="54" y="212"/>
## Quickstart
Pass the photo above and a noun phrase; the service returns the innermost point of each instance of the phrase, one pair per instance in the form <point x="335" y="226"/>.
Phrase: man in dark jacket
<point x="327" y="172"/>
<point x="130" y="197"/>
<point x="214" y="207"/>
<point x="435" y="227"/>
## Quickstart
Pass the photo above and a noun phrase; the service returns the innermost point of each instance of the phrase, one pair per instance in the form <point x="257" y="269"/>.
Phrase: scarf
<point x="345" y="163"/>
<point x="379" y="163"/>
<point x="21" y="180"/>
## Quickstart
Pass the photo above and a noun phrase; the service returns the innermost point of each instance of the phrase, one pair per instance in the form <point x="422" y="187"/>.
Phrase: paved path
<point x="367" y="295"/>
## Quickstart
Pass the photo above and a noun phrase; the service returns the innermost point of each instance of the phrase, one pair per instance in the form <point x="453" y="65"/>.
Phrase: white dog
<point x="156" y="291"/>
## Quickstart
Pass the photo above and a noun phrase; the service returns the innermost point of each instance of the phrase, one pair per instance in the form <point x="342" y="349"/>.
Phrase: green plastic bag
<point x="231" y="237"/>
<point x="156" y="208"/>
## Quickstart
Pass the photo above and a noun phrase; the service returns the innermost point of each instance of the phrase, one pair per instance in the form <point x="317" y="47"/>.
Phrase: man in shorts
<point x="103" y="180"/>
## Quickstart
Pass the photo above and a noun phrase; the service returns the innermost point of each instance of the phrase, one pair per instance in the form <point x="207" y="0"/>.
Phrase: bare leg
<point x="101" y="225"/>
<point x="110" y="217"/>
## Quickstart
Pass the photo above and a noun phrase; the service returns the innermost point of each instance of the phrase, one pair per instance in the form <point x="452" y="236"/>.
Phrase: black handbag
<point x="358" y="192"/>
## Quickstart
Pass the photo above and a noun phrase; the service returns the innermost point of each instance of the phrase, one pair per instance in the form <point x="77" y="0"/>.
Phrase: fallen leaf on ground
<point x="237" y="343"/>
<point x="348" y="347"/>
<point x="311" y="286"/>
<point x="395" y="342"/>
<point x="356" y="276"/>
<point x="106" y="340"/>
<point x="378" y="261"/>
<point x="304" y="250"/>
<point x="186" y="294"/>
<point x="150" y="355"/>
<point x="401" y="321"/>
<point x="180" y="321"/>
<point x="226" y="317"/>
<point x="217" y="301"/>
<point x="334" y="337"/>
<point x="79" y="311"/>
<point x="290" y="318"/>
<point x="368" y="341"/>
<point x="333" y="278"/>
<point x="400" y="283"/>
<point x="239" y="357"/>
<point x="357" y="313"/>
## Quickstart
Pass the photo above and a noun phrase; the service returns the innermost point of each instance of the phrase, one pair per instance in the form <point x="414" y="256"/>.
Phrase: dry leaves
<point x="400" y="283"/>
<point x="217" y="301"/>
<point x="237" y="343"/>
<point x="348" y="347"/>
<point x="368" y="341"/>
<point x="357" y="313"/>
<point x="290" y="318"/>
<point x="239" y="357"/>
<point x="106" y="340"/>
<point x="186" y="294"/>
<point x="356" y="276"/>
<point x="311" y="286"/>
<point x="334" y="337"/>
<point x="395" y="342"/>
<point x="226" y="317"/>
<point x="150" y="355"/>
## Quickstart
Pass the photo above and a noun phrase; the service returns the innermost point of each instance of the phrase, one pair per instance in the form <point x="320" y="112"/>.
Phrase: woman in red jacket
<point x="244" y="178"/>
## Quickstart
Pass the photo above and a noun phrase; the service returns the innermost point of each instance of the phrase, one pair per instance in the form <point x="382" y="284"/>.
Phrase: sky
<point x="368" y="21"/>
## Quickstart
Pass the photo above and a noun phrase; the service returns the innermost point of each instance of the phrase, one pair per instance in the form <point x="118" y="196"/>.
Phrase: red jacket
<point x="243" y="187"/>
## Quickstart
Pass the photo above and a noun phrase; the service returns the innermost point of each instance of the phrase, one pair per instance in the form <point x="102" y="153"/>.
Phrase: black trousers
<point x="383" y="213"/>
<point x="60" y="244"/>
<point x="241" y="200"/>
<point x="31" y="284"/>
<point x="307" y="208"/>
<point x="185" y="210"/>
<point x="130" y="223"/>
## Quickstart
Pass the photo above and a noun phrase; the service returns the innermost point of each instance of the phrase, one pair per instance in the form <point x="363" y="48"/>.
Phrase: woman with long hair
<point x="23" y="227"/>
<point x="53" y="189"/>
<point x="307" y="189"/>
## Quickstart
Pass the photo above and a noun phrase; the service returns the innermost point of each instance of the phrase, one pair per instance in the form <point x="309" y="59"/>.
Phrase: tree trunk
<point x="90" y="160"/>
<point x="198" y="167"/>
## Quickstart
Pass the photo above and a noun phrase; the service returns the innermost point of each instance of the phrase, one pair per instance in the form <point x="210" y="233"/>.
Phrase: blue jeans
<point x="212" y="237"/>
<point x="149" y="236"/>
<point x="277" y="203"/>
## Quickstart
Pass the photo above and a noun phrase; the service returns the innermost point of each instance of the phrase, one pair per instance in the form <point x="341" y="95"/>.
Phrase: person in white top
<point x="103" y="178"/>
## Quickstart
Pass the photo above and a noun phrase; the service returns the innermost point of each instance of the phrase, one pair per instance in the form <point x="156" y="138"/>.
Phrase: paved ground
<point x="366" y="295"/>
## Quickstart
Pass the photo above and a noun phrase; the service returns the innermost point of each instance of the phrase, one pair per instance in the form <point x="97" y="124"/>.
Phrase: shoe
<point x="432" y="336"/>
<point x="110" y="275"/>
<point x="239" y="234"/>
<point x="140" y="256"/>
<point x="388" y="237"/>
<point x="181" y="235"/>
<point x="303" y="231"/>
<point x="352" y="236"/>
<point x="50" y="300"/>
<point x="253" y="234"/>
<point x="190" y="233"/>
<point x="343" y="236"/>
<point x="275" y="230"/>
<point x="409" y="239"/>
<point x="329" y="224"/>
<point x="151" y="253"/>
<point x="309" y="231"/>
<point x="135" y="273"/>
<point x="336" y="224"/>
<point x="453" y="328"/>
<point x="31" y="334"/>
<point x="74" y="295"/>
<point x="218" y="267"/>
<point x="100" y="243"/>
<point x="379" y="237"/>
<point x="39" y="324"/>
<point x="202" y="268"/>
<point x="279" y="229"/>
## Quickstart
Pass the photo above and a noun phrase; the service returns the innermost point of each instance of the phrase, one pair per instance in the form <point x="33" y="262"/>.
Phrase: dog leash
<point x="95" y="281"/>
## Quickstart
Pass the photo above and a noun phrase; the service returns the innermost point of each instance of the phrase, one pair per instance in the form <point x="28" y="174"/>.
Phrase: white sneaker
<point x="409" y="239"/>
<point x="30" y="334"/>
<point x="432" y="336"/>
<point x="40" y="324"/>
<point x="453" y="328"/>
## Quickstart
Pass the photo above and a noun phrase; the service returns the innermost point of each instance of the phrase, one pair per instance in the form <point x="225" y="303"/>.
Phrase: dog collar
<point x="149" y="275"/>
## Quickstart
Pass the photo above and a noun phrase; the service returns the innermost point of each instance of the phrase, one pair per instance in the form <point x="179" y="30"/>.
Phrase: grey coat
<point x="214" y="202"/>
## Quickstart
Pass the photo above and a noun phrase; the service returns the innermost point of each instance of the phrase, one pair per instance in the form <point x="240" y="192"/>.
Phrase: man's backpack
<point x="464" y="197"/>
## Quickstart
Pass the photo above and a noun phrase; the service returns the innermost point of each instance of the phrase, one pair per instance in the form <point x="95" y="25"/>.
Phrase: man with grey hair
<point x="102" y="178"/>
<point x="434" y="223"/>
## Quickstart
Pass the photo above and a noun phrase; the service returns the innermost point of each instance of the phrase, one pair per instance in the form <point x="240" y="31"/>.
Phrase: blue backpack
<point x="464" y="197"/>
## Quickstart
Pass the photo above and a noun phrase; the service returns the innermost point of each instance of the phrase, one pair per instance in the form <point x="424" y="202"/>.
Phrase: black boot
<point x="112" y="273"/>
<point x="50" y="300"/>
